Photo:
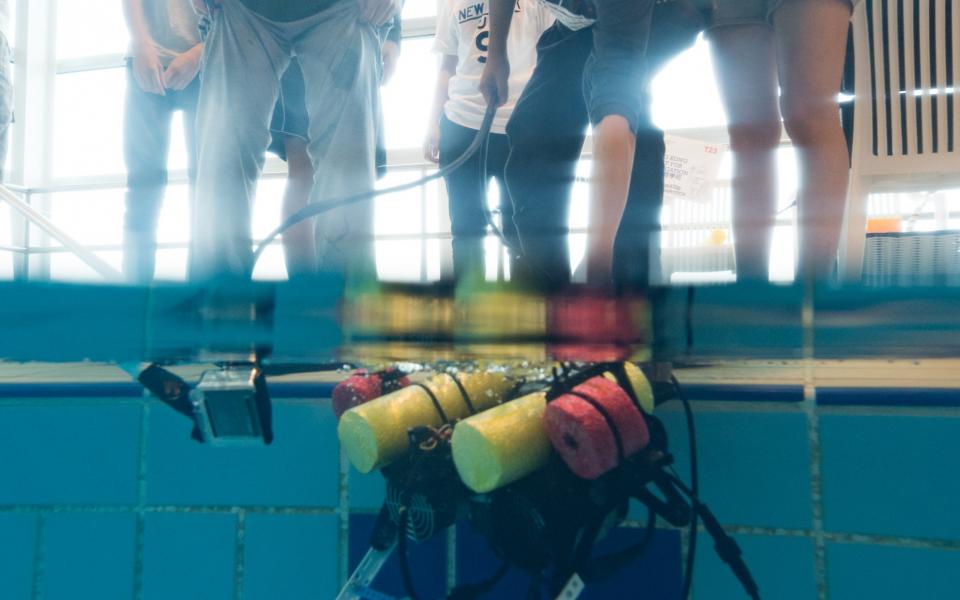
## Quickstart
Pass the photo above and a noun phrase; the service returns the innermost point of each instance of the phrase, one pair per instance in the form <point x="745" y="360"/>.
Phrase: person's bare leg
<point x="811" y="41"/>
<point x="299" y="248"/>
<point x="614" y="144"/>
<point x="745" y="66"/>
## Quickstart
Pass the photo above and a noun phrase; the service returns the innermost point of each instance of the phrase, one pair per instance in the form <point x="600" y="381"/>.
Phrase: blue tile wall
<point x="189" y="556"/>
<point x="73" y="454"/>
<point x="367" y="492"/>
<point x="290" y="557"/>
<point x="887" y="573"/>
<point x="891" y="475"/>
<point x="754" y="466"/>
<point x="73" y="464"/>
<point x="88" y="555"/>
<point x="18" y="541"/>
<point x="299" y="469"/>
<point x="783" y="568"/>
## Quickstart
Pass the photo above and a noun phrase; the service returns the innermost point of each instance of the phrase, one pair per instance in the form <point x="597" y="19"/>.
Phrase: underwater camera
<point x="231" y="406"/>
<point x="228" y="407"/>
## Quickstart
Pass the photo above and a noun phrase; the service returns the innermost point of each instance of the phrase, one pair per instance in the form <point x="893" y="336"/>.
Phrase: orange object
<point x="886" y="225"/>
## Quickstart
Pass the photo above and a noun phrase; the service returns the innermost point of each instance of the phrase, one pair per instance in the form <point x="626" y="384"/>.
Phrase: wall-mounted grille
<point x="914" y="75"/>
<point x="908" y="259"/>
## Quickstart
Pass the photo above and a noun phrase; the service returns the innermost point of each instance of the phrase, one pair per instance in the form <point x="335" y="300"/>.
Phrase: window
<point x="89" y="28"/>
<point x="408" y="96"/>
<point x="685" y="94"/>
<point x="88" y="123"/>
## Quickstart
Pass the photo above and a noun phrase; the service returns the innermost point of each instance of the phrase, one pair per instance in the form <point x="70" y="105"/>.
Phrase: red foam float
<point x="584" y="437"/>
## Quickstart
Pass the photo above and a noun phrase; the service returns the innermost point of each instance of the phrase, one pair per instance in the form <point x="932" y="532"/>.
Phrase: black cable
<point x="504" y="197"/>
<point x="727" y="548"/>
<point x="606" y="566"/>
<point x="317" y="208"/>
<point x="695" y="484"/>
<point x="402" y="554"/>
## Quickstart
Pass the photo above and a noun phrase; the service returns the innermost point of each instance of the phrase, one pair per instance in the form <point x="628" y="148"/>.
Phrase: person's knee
<point x="810" y="121"/>
<point x="299" y="165"/>
<point x="616" y="125"/>
<point x="754" y="136"/>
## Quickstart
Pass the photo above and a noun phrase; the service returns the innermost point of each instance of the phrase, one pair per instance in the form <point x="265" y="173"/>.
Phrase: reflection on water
<point x="321" y="320"/>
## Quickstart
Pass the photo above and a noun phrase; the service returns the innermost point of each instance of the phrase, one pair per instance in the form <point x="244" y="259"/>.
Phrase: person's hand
<point x="493" y="80"/>
<point x="183" y="69"/>
<point x="390" y="53"/>
<point x="431" y="145"/>
<point x="378" y="12"/>
<point x="147" y="69"/>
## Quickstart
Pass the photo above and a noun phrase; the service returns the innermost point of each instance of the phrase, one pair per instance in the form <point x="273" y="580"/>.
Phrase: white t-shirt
<point x="574" y="14"/>
<point x="463" y="30"/>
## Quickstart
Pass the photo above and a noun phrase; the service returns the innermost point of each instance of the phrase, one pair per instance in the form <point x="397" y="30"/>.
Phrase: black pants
<point x="467" y="191"/>
<point x="546" y="134"/>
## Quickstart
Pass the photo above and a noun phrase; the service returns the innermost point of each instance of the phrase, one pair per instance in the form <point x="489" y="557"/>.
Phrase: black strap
<point x="264" y="406"/>
<point x="392" y="374"/>
<point x="172" y="391"/>
<point x="564" y="382"/>
<point x="623" y="380"/>
<point x="611" y="424"/>
<point x="436" y="403"/>
<point x="463" y="394"/>
<point x="168" y="388"/>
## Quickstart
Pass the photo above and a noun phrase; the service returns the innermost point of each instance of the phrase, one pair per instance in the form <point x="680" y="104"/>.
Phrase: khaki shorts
<point x="743" y="12"/>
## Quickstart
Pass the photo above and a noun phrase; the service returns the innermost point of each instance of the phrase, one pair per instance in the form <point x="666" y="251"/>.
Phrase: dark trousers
<point x="146" y="142"/>
<point x="546" y="133"/>
<point x="467" y="191"/>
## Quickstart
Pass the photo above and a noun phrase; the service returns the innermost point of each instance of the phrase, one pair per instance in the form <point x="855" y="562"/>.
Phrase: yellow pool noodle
<point x="374" y="434"/>
<point x="641" y="387"/>
<point x="501" y="445"/>
<point x="506" y="443"/>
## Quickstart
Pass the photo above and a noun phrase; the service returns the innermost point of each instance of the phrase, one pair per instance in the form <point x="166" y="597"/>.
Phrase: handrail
<point x="41" y="221"/>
